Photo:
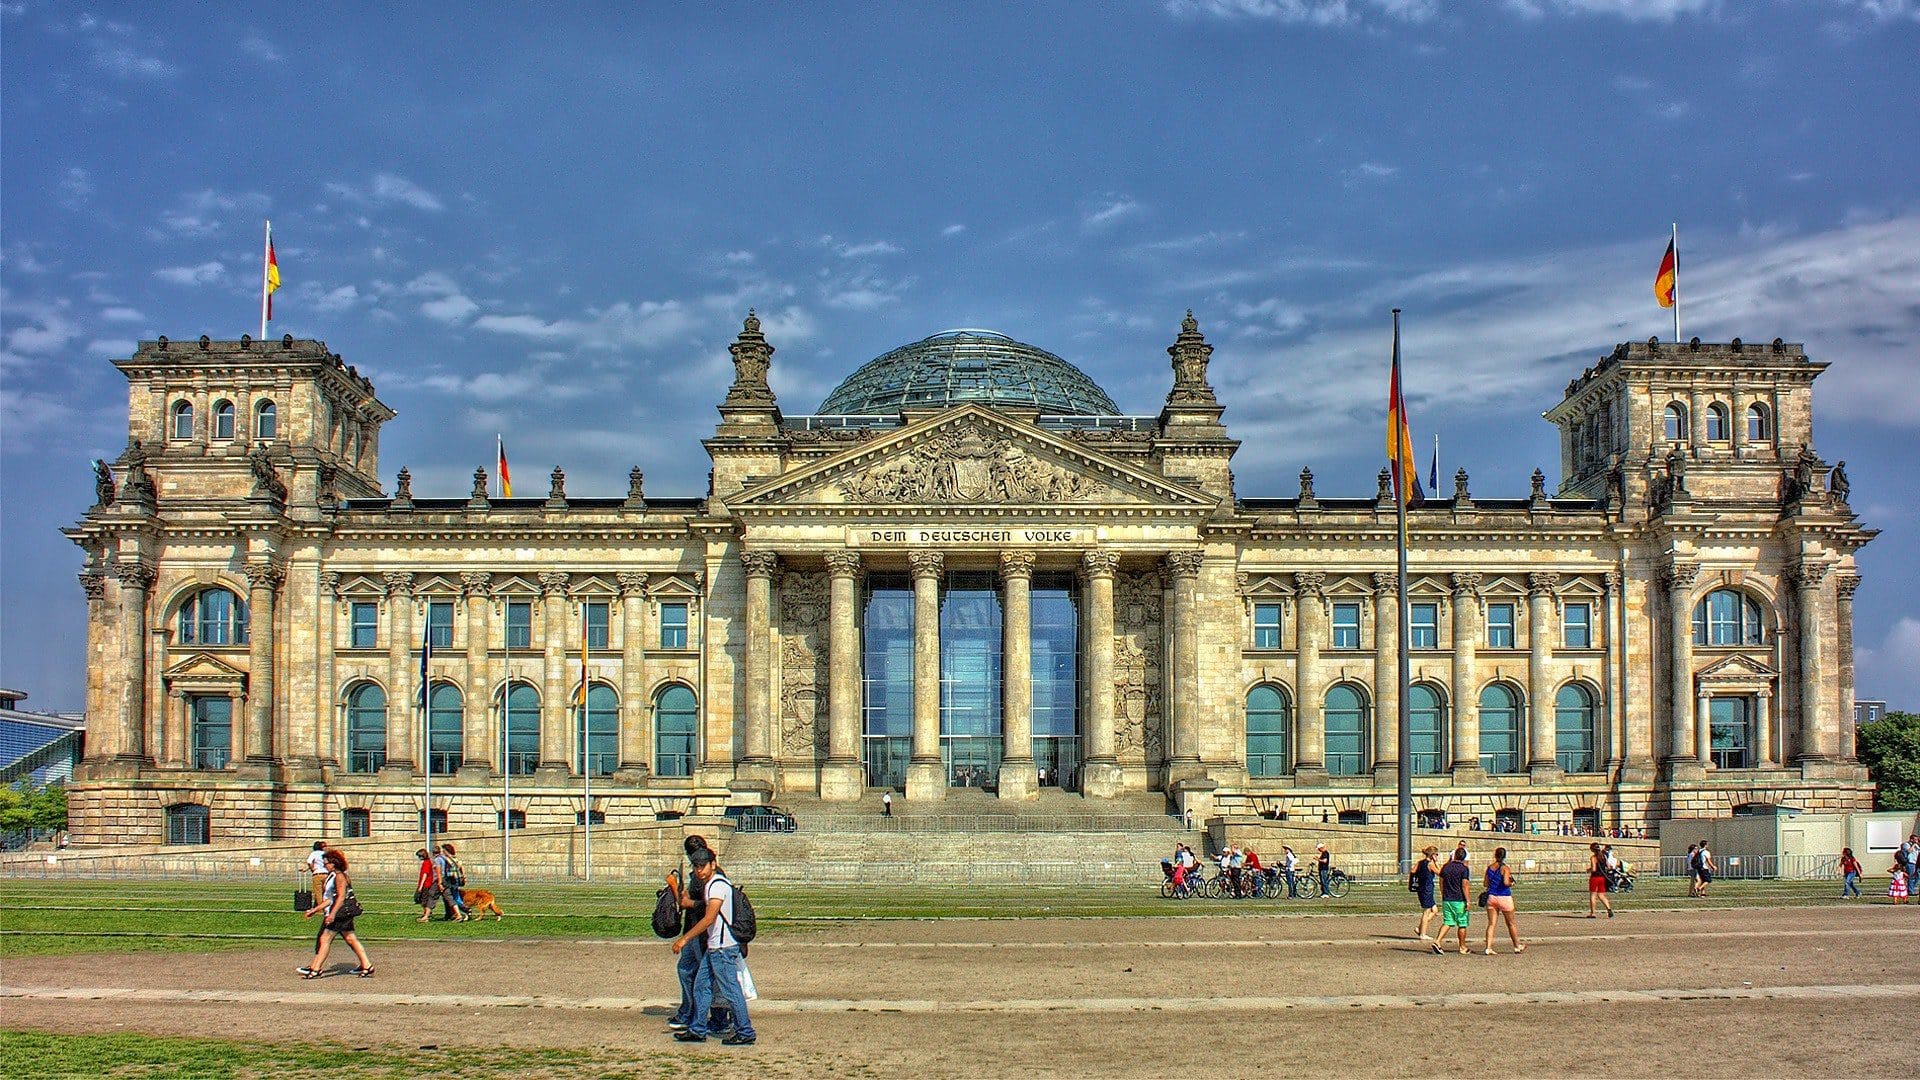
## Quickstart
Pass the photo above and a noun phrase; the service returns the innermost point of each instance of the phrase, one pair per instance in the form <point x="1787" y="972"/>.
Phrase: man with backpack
<point x="692" y="900"/>
<point x="720" y="968"/>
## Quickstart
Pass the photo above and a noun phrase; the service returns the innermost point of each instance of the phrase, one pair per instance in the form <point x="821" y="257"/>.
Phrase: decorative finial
<point x="1539" y="484"/>
<point x="752" y="357"/>
<point x="752" y="323"/>
<point x="1190" y="352"/>
<point x="1189" y="325"/>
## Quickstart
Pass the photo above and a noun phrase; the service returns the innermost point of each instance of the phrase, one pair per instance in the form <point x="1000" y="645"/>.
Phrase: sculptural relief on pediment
<point x="969" y="464"/>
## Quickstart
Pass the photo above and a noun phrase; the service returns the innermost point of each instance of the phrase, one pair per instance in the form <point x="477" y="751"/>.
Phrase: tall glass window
<point x="1266" y="626"/>
<point x="213" y="617"/>
<point x="212" y="731"/>
<point x="673" y="626"/>
<point x="1759" y="429"/>
<point x="1676" y="423"/>
<point x="1576" y="625"/>
<point x="1573" y="729"/>
<point x="1427" y="719"/>
<point x="440" y="624"/>
<point x="1499" y="729"/>
<point x="266" y="421"/>
<point x="675" y="726"/>
<point x="1717" y="422"/>
<point x="1267" y="725"/>
<point x="521" y="723"/>
<point x="1346" y="626"/>
<point x="970" y="679"/>
<point x="366" y="729"/>
<point x="1346" y="716"/>
<point x="364" y="623"/>
<point x="596" y="732"/>
<point x="223" y="419"/>
<point x="1727" y="617"/>
<point x="887" y="694"/>
<point x="182" y="420"/>
<point x="1423" y="626"/>
<point x="519" y="624"/>
<point x="1731" y="732"/>
<point x="443" y="729"/>
<point x="1499" y="626"/>
<point x="596" y="625"/>
<point x="1056" y="681"/>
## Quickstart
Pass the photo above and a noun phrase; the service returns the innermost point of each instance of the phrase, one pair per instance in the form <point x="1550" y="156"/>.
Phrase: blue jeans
<point x="1851" y="887"/>
<point x="1324" y="890"/>
<point x="1293" y="886"/>
<point x="687" y="966"/>
<point x="720" y="979"/>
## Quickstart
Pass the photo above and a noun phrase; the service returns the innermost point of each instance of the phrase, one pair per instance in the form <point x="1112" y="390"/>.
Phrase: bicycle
<point x="1337" y="884"/>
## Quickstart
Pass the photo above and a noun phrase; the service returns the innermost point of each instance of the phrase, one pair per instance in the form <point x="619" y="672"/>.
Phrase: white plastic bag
<point x="747" y="989"/>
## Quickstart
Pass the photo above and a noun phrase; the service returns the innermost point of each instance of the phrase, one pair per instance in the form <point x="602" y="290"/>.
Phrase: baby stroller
<point x="1620" y="879"/>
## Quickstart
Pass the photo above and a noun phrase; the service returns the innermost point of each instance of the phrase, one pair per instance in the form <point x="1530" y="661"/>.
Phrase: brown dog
<point x="479" y="902"/>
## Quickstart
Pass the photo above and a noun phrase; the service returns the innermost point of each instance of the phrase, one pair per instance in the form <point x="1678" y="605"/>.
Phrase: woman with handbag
<point x="340" y="907"/>
<point x="1498" y="900"/>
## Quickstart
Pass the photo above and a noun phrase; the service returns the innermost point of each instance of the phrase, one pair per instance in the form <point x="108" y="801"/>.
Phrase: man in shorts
<point x="1706" y="868"/>
<point x="1453" y="897"/>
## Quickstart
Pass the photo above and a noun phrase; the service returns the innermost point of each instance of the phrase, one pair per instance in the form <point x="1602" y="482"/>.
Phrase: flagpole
<point x="1404" y="724"/>
<point x="586" y="760"/>
<point x="1676" y="283"/>
<point x="265" y="254"/>
<point x="506" y="770"/>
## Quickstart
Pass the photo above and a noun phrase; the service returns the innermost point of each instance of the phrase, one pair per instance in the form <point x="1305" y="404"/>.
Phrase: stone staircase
<point x="969" y="838"/>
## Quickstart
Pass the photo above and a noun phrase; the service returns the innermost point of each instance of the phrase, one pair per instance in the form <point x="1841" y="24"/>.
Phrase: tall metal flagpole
<point x="586" y="760"/>
<point x="1405" y="725"/>
<point x="1676" y="283"/>
<point x="506" y="773"/>
<point x="266" y="253"/>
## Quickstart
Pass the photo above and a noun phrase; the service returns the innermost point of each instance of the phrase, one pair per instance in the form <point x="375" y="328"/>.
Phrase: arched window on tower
<point x="675" y="717"/>
<point x="1676" y="422"/>
<point x="182" y="417"/>
<point x="1573" y="729"/>
<point x="1268" y="721"/>
<point x="266" y="421"/>
<point x="597" y="732"/>
<point x="1728" y="617"/>
<point x="213" y="616"/>
<point x="1717" y="423"/>
<point x="1427" y="721"/>
<point x="223" y="419"/>
<point x="443" y="729"/>
<point x="1759" y="424"/>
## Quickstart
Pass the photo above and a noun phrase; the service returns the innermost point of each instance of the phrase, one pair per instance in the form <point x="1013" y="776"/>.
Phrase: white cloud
<point x="387" y="189"/>
<point x="953" y="230"/>
<point x="111" y="347"/>
<point x="865" y="250"/>
<point x="45" y="329"/>
<point x="862" y="292"/>
<point x="204" y="213"/>
<point x="1630" y="10"/>
<point x="76" y="187"/>
<point x="445" y="301"/>
<point x="259" y="48"/>
<point x="624" y="325"/>
<point x="204" y="274"/>
<point x="122" y="314"/>
<point x="737" y="258"/>
<point x="1312" y="12"/>
<point x="321" y="299"/>
<point x="1887" y="671"/>
<point x="1109" y="211"/>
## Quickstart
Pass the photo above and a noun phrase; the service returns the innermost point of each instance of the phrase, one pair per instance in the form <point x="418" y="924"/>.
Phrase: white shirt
<point x="718" y="936"/>
<point x="316" y="862"/>
<point x="1292" y="862"/>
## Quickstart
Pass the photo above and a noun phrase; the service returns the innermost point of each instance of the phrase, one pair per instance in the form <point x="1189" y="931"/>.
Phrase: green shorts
<point x="1453" y="913"/>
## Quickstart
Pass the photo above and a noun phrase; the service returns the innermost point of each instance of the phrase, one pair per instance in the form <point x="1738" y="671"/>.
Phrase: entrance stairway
<point x="968" y="838"/>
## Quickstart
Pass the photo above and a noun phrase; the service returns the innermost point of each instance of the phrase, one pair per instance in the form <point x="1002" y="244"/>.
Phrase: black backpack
<point x="745" y="925"/>
<point x="666" y="913"/>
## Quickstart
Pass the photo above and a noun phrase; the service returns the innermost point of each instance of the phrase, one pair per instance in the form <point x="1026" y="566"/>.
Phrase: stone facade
<point x="257" y="605"/>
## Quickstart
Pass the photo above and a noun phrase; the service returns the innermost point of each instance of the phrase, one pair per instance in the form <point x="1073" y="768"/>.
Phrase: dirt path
<point x="1088" y="997"/>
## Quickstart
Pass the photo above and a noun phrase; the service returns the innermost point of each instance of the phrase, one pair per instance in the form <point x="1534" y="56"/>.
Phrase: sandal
<point x="1437" y="950"/>
<point x="310" y="974"/>
<point x="365" y="972"/>
<point x="1519" y="948"/>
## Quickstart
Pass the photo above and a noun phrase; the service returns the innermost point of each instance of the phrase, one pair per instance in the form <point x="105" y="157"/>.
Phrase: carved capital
<point x="632" y="582"/>
<point x="94" y="583"/>
<point x="554" y="583"/>
<point x="1681" y="574"/>
<point x="843" y="564"/>
<point x="1100" y="563"/>
<point x="926" y="563"/>
<point x="1185" y="564"/>
<point x="1845" y="585"/>
<point x="330" y="584"/>
<point x="399" y="583"/>
<point x="1542" y="583"/>
<point x="1386" y="584"/>
<point x="1809" y="573"/>
<point x="475" y="583"/>
<point x="760" y="564"/>
<point x="1310" y="582"/>
<point x="1466" y="585"/>
<point x="1613" y="581"/>
<point x="265" y="575"/>
<point x="1016" y="564"/>
<point x="134" y="575"/>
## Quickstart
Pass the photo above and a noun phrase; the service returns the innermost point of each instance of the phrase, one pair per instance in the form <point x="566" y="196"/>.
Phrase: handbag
<point x="350" y="908"/>
<point x="747" y="989"/>
<point x="1481" y="901"/>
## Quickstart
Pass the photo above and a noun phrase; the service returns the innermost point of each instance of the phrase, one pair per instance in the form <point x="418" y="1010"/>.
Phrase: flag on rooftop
<point x="1663" y="283"/>
<point x="506" y="478"/>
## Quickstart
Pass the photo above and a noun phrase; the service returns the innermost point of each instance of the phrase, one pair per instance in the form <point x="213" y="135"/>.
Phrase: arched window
<point x="187" y="823"/>
<point x="1346" y="715"/>
<point x="443" y="729"/>
<point x="1499" y="729"/>
<point x="674" y="721"/>
<point x="1728" y="617"/>
<point x="1573" y="729"/>
<point x="521" y="722"/>
<point x="1267" y="726"/>
<point x="1759" y="424"/>
<point x="1717" y="423"/>
<point x="182" y="428"/>
<point x="597" y="732"/>
<point x="366" y="729"/>
<point x="223" y="419"/>
<point x="1427" y="719"/>
<point x="266" y="421"/>
<point x="1676" y="422"/>
<point x="213" y="617"/>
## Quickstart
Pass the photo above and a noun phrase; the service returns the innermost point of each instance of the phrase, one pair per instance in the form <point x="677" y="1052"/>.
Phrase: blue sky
<point x="549" y="221"/>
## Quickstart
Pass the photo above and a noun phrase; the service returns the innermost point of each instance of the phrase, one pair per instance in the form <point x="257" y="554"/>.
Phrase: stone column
<point x="1697" y="425"/>
<point x="1542" y="725"/>
<point x="1310" y="629"/>
<point x="1386" y="679"/>
<point x="634" y="734"/>
<point x="102" y="740"/>
<point x="1100" y="777"/>
<point x="1019" y="778"/>
<point x="554" y="711"/>
<point x="1763" y="756"/>
<point x="1703" y="727"/>
<point x="402" y="695"/>
<point x="318" y="742"/>
<point x="842" y="779"/>
<point x="136" y="579"/>
<point x="477" y="738"/>
<point x="1682" y="748"/>
<point x="263" y="581"/>
<point x="1184" y="761"/>
<point x="1819" y="732"/>
<point x="1621" y="750"/>
<point x="757" y="761"/>
<point x="926" y="773"/>
<point x="1844" y="587"/>
<point x="1464" y="741"/>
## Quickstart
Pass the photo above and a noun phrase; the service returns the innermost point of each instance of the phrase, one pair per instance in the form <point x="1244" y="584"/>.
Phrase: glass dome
<point x="960" y="366"/>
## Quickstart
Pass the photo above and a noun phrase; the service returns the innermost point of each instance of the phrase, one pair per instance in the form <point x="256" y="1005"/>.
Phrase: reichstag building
<point x="968" y="568"/>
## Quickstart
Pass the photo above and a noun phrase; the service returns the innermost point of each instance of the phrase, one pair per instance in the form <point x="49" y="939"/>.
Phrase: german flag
<point x="1663" y="282"/>
<point x="506" y="478"/>
<point x="1406" y="471"/>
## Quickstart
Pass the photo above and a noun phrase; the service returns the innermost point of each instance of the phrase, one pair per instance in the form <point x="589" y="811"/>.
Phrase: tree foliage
<point x="1890" y="749"/>
<point x="27" y="806"/>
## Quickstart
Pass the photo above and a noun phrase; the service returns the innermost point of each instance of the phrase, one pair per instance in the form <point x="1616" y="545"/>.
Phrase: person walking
<point x="317" y="865"/>
<point x="1500" y="901"/>
<point x="1596" y="882"/>
<point x="446" y="872"/>
<point x="1426" y="874"/>
<point x="426" y="890"/>
<point x="340" y="907"/>
<point x="692" y="898"/>
<point x="886" y="804"/>
<point x="719" y="977"/>
<point x="1323" y="866"/>
<point x="1693" y="869"/>
<point x="1706" y="869"/>
<point x="1849" y="875"/>
<point x="1453" y="898"/>
<point x="1900" y="886"/>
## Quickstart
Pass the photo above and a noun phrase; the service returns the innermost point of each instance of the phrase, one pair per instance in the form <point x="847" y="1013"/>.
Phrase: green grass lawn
<point x="43" y="917"/>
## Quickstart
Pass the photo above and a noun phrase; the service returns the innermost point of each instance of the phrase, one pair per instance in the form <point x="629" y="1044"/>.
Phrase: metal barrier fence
<point x="1760" y="867"/>
<point x="991" y="823"/>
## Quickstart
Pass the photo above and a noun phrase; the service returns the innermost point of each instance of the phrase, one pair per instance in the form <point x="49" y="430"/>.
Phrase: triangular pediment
<point x="200" y="667"/>
<point x="1737" y="668"/>
<point x="972" y="456"/>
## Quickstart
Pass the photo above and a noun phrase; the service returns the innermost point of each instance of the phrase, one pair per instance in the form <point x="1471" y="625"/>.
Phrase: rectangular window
<point x="355" y="823"/>
<point x="212" y="731"/>
<point x="519" y="624"/>
<point x="597" y="626"/>
<point x="1266" y="626"/>
<point x="1577" y="623"/>
<point x="440" y="623"/>
<point x="1499" y="626"/>
<point x="1346" y="626"/>
<point x="187" y="823"/>
<point x="673" y="626"/>
<point x="1423" y="626"/>
<point x="365" y="621"/>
